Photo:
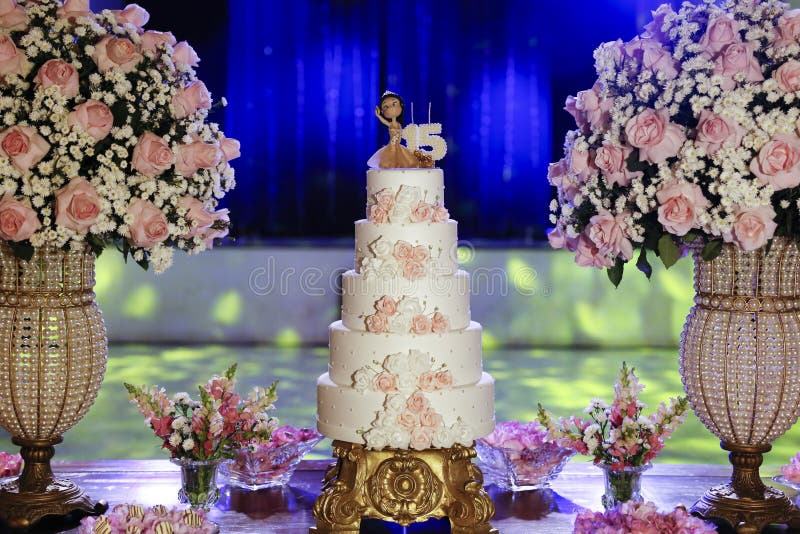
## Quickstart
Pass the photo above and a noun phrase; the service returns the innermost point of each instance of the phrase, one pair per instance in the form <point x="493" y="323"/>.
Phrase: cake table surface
<point x="288" y="510"/>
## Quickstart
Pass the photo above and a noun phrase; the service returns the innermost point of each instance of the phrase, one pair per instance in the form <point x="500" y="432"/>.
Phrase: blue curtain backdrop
<point x="303" y="78"/>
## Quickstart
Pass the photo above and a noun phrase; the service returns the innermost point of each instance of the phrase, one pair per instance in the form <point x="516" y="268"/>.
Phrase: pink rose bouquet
<point x="104" y="135"/>
<point x="216" y="426"/>
<point x="791" y="472"/>
<point x="690" y="136"/>
<point x="642" y="518"/>
<point x="127" y="518"/>
<point x="270" y="464"/>
<point x="618" y="435"/>
<point x="10" y="464"/>
<point x="518" y="456"/>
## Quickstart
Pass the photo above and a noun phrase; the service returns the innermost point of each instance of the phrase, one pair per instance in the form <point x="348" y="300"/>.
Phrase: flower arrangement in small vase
<point x="622" y="441"/>
<point x="201" y="434"/>
<point x="642" y="518"/>
<point x="103" y="136"/>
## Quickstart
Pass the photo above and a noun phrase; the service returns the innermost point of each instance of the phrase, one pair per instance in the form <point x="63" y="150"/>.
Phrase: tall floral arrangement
<point x="216" y="426"/>
<point x="104" y="138"/>
<point x="619" y="435"/>
<point x="688" y="136"/>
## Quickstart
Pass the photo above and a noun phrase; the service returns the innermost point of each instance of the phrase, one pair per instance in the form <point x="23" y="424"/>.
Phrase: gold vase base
<point x="20" y="510"/>
<point x="403" y="487"/>
<point x="745" y="514"/>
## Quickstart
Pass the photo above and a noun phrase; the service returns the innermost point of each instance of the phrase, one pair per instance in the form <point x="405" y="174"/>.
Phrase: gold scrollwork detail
<point x="404" y="488"/>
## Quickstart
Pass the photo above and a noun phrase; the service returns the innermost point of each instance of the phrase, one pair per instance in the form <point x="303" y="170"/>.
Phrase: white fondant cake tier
<point x="428" y="182"/>
<point x="457" y="351"/>
<point x="346" y="414"/>
<point x="409" y="250"/>
<point x="447" y="295"/>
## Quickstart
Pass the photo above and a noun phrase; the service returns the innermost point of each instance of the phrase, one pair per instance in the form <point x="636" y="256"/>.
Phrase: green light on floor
<point x="141" y="303"/>
<point x="288" y="338"/>
<point x="523" y="276"/>
<point x="489" y="341"/>
<point x="228" y="308"/>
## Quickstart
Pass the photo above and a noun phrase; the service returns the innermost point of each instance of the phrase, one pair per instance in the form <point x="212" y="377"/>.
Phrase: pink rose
<point x="384" y="382"/>
<point x="752" y="228"/>
<point x="787" y="76"/>
<point x="189" y="99"/>
<point x="196" y="215"/>
<point x="12" y="60"/>
<point x="788" y="29"/>
<point x="189" y="158"/>
<point x="17" y="220"/>
<point x="153" y="40"/>
<point x="12" y="16"/>
<point x="59" y="73"/>
<point x="654" y="28"/>
<point x="385" y="199"/>
<point x="581" y="163"/>
<point x="588" y="254"/>
<point x="417" y="403"/>
<point x="184" y="55"/>
<point x="714" y="131"/>
<point x="386" y="305"/>
<point x="421" y="439"/>
<point x="402" y="250"/>
<point x="420" y="253"/>
<point x="589" y="107"/>
<point x="439" y="323"/>
<point x="230" y="148"/>
<point x="559" y="176"/>
<point x="614" y="50"/>
<point x="777" y="163"/>
<point x="376" y="323"/>
<point x="558" y="239"/>
<point x="377" y="214"/>
<point x="734" y="59"/>
<point x="24" y="146"/>
<point x="116" y="53"/>
<point x="77" y="205"/>
<point x="218" y="229"/>
<point x="420" y="324"/>
<point x="93" y="117"/>
<point x="132" y="14"/>
<point x="430" y="419"/>
<point x="444" y="380"/>
<point x="440" y="214"/>
<point x="721" y="31"/>
<point x="653" y="57"/>
<point x="413" y="270"/>
<point x="152" y="155"/>
<point x="408" y="420"/>
<point x="679" y="205"/>
<point x="608" y="233"/>
<point x="654" y="135"/>
<point x="421" y="212"/>
<point x="612" y="160"/>
<point x="149" y="226"/>
<point x="427" y="381"/>
<point x="74" y="8"/>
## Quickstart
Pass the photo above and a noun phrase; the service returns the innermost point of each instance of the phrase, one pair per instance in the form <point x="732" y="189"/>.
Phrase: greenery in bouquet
<point x="104" y="139"/>
<point x="689" y="136"/>
<point x="214" y="427"/>
<point x="619" y="435"/>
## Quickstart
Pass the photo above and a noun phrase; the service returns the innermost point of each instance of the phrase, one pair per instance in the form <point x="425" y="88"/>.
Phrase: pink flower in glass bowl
<point x="10" y="464"/>
<point x="269" y="465"/>
<point x="516" y="456"/>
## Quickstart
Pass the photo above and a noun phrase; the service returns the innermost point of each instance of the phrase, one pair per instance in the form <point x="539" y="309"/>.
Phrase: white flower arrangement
<point x="688" y="137"/>
<point x="103" y="135"/>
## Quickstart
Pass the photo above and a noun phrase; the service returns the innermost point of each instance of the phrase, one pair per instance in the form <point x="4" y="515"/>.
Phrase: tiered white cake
<point x="405" y="360"/>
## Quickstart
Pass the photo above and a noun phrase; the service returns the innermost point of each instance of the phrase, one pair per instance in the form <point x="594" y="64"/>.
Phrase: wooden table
<point x="288" y="510"/>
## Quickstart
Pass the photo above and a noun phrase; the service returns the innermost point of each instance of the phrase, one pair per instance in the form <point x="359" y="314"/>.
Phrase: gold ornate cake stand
<point x="404" y="487"/>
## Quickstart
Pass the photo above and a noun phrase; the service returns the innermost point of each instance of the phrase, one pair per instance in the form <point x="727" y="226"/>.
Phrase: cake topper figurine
<point x="394" y="155"/>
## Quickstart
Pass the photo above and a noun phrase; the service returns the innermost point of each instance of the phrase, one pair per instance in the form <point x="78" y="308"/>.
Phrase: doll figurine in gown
<point x="394" y="155"/>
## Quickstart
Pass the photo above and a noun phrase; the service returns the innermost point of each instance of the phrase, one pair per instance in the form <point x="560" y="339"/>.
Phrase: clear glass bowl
<point x="266" y="467"/>
<point x="521" y="470"/>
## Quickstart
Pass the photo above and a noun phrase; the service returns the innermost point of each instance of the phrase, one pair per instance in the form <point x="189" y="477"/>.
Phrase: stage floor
<point x="563" y="380"/>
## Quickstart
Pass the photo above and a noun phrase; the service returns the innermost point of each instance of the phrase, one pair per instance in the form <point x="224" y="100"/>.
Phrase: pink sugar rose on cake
<point x="24" y="146"/>
<point x="12" y="16"/>
<point x="440" y="214"/>
<point x="408" y="420"/>
<point x="377" y="323"/>
<point x="443" y="380"/>
<point x="752" y="227"/>
<point x="715" y="131"/>
<point x="149" y="226"/>
<point x="430" y="419"/>
<point x="439" y="323"/>
<point x="654" y="135"/>
<point x="413" y="270"/>
<point x="402" y="250"/>
<point x="384" y="382"/>
<point x="679" y="205"/>
<point x="58" y="73"/>
<point x="152" y="155"/>
<point x="738" y="58"/>
<point x="421" y="324"/>
<point x="427" y="381"/>
<point x="153" y="40"/>
<point x="12" y="60"/>
<point x="420" y="253"/>
<point x="386" y="305"/>
<point x="377" y="214"/>
<point x="421" y="439"/>
<point x="417" y="403"/>
<point x="77" y="205"/>
<point x="93" y="117"/>
<point x="18" y="221"/>
<point x="116" y="53"/>
<point x="778" y="162"/>
<point x="190" y="99"/>
<point x="421" y="212"/>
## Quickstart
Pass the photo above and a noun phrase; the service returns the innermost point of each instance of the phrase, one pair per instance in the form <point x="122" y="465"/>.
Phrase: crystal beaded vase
<point x="622" y="485"/>
<point x="740" y="366"/>
<point x="53" y="351"/>
<point x="198" y="482"/>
